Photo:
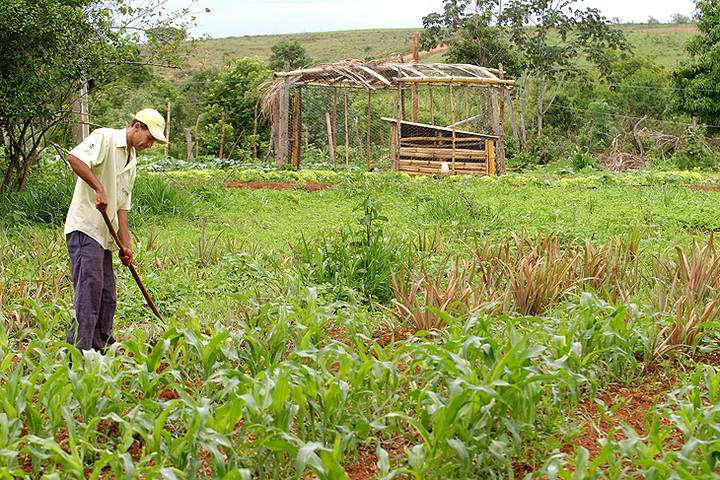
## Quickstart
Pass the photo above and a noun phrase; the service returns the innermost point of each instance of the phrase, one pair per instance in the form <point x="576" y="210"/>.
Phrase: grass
<point x="664" y="43"/>
<point x="516" y="299"/>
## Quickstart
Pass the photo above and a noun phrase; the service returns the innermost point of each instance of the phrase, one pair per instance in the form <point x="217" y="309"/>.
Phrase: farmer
<point x="105" y="165"/>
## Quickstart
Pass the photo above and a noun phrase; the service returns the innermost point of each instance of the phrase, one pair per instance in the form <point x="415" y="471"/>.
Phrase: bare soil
<point x="706" y="188"/>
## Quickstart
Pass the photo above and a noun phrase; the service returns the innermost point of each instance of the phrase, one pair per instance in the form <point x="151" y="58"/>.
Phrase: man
<point x="106" y="166"/>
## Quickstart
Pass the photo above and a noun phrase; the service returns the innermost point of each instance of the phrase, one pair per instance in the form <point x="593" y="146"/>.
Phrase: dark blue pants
<point x="95" y="298"/>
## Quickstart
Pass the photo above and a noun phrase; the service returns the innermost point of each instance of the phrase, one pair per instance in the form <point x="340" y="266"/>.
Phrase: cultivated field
<point x="355" y="325"/>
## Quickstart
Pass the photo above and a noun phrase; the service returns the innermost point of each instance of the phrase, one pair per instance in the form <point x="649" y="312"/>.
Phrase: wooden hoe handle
<point x="132" y="268"/>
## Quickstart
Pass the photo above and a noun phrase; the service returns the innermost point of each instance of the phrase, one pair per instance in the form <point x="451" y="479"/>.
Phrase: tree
<point x="544" y="39"/>
<point x="291" y="52"/>
<point x="679" y="18"/>
<point x="236" y="92"/>
<point x="696" y="80"/>
<point x="48" y="49"/>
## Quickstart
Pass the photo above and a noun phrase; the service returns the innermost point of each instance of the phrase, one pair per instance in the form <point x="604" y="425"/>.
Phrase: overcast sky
<point x="228" y="18"/>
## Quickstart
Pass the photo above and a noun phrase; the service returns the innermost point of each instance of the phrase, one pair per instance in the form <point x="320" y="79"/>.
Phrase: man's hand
<point x="126" y="256"/>
<point x="100" y="200"/>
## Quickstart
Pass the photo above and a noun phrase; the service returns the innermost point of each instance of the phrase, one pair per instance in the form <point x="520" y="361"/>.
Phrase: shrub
<point x="580" y="159"/>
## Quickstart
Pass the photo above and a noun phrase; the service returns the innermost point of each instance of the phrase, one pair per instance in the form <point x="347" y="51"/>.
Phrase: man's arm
<point x="84" y="172"/>
<point x="126" y="253"/>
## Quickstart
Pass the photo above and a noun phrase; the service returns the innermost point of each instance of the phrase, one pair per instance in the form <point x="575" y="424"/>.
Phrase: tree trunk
<point x="541" y="95"/>
<point x="521" y="110"/>
<point x="190" y="145"/>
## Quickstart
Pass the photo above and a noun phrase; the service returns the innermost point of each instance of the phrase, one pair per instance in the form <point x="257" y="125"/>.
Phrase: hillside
<point x="663" y="43"/>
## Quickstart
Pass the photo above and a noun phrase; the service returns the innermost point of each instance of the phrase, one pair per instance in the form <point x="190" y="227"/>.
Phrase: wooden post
<point x="222" y="131"/>
<point x="490" y="146"/>
<point x="197" y="143"/>
<point x="452" y="120"/>
<point x="167" y="129"/>
<point x="255" y="128"/>
<point x="491" y="112"/>
<point x="331" y="140"/>
<point x="283" y="147"/>
<point x="382" y="138"/>
<point x="189" y="142"/>
<point x="393" y="146"/>
<point x="368" y="130"/>
<point x="398" y="131"/>
<point x="501" y="128"/>
<point x="357" y="135"/>
<point x="416" y="57"/>
<point x="432" y="107"/>
<point x="347" y="134"/>
<point x="334" y="119"/>
<point x="80" y="126"/>
<point x="297" y="127"/>
<point x="467" y="110"/>
<point x="402" y="103"/>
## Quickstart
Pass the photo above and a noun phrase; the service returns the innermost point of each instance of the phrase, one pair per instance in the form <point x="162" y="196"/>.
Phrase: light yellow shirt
<point x="105" y="152"/>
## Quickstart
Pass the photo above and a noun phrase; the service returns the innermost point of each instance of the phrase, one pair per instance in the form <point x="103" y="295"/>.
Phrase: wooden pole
<point x="167" y="129"/>
<point x="197" y="143"/>
<point x="297" y="127"/>
<point x="284" y="125"/>
<point x="255" y="128"/>
<point x="331" y="140"/>
<point x="432" y="107"/>
<point x="398" y="130"/>
<point x="347" y="135"/>
<point x="222" y="131"/>
<point x="357" y="136"/>
<point x="414" y="90"/>
<point x="500" y="160"/>
<point x="189" y="143"/>
<point x="491" y="112"/>
<point x="467" y="109"/>
<point x="80" y="126"/>
<point x="452" y="119"/>
<point x="334" y="119"/>
<point x="368" y="130"/>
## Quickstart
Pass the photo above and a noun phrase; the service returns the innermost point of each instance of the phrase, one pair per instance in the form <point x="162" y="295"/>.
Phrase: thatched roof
<point x="380" y="75"/>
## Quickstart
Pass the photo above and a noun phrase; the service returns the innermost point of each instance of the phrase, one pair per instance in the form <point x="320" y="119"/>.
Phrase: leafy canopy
<point x="697" y="80"/>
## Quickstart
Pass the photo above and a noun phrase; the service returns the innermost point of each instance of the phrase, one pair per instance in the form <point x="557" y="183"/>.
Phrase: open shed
<point x="445" y="101"/>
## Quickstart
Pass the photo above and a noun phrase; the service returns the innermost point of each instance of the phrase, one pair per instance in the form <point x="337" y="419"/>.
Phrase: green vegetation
<point x="511" y="301"/>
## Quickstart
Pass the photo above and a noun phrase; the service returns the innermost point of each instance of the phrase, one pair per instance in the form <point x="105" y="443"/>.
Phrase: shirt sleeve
<point x="89" y="150"/>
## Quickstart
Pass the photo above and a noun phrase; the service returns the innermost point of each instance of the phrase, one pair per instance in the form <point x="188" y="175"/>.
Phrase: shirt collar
<point x="121" y="142"/>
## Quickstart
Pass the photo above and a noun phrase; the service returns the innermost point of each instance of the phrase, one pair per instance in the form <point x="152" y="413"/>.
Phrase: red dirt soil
<point x="707" y="188"/>
<point x="309" y="186"/>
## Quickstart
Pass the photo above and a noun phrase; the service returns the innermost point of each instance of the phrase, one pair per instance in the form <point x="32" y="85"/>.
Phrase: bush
<point x="694" y="153"/>
<point x="356" y="259"/>
<point x="580" y="159"/>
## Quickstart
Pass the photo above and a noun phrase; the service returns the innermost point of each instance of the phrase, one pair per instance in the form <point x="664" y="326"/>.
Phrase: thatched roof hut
<point x="365" y="75"/>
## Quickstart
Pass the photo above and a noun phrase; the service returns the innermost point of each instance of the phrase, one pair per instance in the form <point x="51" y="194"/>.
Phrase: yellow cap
<point x="154" y="121"/>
